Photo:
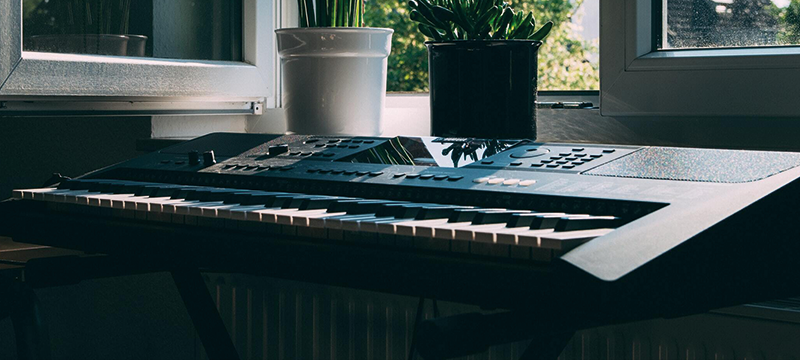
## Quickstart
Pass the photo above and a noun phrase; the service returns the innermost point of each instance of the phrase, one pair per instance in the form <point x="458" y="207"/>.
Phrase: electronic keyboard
<point x="605" y="233"/>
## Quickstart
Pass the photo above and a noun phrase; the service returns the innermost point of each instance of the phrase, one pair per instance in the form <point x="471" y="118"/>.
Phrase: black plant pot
<point x="483" y="88"/>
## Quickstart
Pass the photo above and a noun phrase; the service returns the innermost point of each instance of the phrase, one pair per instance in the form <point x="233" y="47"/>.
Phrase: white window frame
<point x="56" y="78"/>
<point x="638" y="80"/>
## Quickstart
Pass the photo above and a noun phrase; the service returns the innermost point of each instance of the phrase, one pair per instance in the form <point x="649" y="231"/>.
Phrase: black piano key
<point x="100" y="186"/>
<point x="130" y="187"/>
<point x="73" y="184"/>
<point x="520" y="220"/>
<point x="437" y="212"/>
<point x="545" y="221"/>
<point x="80" y="184"/>
<point x="261" y="198"/>
<point x="219" y="194"/>
<point x="168" y="191"/>
<point x="239" y="197"/>
<point x="113" y="188"/>
<point x="294" y="201"/>
<point x="197" y="194"/>
<point x="368" y="206"/>
<point x="182" y="193"/>
<point x="155" y="190"/>
<point x="568" y="223"/>
<point x="342" y="205"/>
<point x="400" y="210"/>
<point x="462" y="215"/>
<point x="321" y="202"/>
<point x="492" y="217"/>
<point x="524" y="219"/>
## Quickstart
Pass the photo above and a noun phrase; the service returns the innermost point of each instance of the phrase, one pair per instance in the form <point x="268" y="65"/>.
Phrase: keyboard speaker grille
<point x="702" y="165"/>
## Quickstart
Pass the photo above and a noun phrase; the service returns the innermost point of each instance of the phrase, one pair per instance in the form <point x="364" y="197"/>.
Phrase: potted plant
<point x="334" y="70"/>
<point x="482" y="63"/>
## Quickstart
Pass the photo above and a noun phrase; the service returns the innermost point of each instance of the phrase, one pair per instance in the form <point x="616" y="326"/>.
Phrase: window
<point x="729" y="23"/>
<point x="239" y="85"/>
<point x="655" y="60"/>
<point x="206" y="30"/>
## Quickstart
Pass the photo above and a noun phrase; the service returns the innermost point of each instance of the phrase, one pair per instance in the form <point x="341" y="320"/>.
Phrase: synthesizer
<point x="605" y="233"/>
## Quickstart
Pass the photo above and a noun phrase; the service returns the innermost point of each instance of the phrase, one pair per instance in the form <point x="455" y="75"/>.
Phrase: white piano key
<point x="356" y="224"/>
<point x="469" y="232"/>
<point x="318" y="220"/>
<point x="448" y="230"/>
<point x="508" y="236"/>
<point x="566" y="240"/>
<point x="485" y="233"/>
<point x="172" y="207"/>
<point x="243" y="212"/>
<point x="106" y="200"/>
<point x="372" y="226"/>
<point x="338" y="223"/>
<point x="207" y="209"/>
<point x="299" y="217"/>
<point x="33" y="194"/>
<point x="302" y="218"/>
<point x="270" y="215"/>
<point x="158" y="204"/>
<point x="71" y="197"/>
<point x="427" y="228"/>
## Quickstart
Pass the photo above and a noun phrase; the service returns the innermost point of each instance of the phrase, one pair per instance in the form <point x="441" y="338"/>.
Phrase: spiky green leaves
<point x="331" y="13"/>
<point x="444" y="20"/>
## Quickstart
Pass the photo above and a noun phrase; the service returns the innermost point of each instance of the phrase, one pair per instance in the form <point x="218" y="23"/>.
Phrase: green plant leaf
<point x="523" y="29"/>
<point x="461" y="17"/>
<point x="443" y="14"/>
<point x="418" y="17"/>
<point x="482" y="25"/>
<point x="542" y="32"/>
<point x="505" y="19"/>
<point x="430" y="32"/>
<point x="426" y="10"/>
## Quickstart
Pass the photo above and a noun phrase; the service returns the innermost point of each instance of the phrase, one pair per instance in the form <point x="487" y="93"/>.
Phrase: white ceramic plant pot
<point x="334" y="79"/>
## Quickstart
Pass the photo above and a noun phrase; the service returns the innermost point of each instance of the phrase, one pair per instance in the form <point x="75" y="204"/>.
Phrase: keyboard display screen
<point x="435" y="152"/>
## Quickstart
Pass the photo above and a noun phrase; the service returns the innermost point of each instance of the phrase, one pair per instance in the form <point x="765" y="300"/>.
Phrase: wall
<point x="34" y="148"/>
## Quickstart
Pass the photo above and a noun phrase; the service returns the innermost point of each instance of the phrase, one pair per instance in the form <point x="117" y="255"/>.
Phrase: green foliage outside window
<point x="563" y="59"/>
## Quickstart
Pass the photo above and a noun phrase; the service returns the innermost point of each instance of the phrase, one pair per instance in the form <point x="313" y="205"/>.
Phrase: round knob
<point x="278" y="149"/>
<point x="208" y="158"/>
<point x="194" y="157"/>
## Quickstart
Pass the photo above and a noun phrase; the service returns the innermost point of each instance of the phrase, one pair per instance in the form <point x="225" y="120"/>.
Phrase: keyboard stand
<point x="21" y="304"/>
<point x="205" y="317"/>
<point x="32" y="339"/>
<point x="547" y="347"/>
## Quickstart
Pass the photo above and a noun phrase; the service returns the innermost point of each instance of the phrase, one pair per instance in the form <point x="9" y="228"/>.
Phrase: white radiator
<point x="281" y="320"/>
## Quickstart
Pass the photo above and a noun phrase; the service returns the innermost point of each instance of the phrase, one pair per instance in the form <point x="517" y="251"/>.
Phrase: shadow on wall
<point x="34" y="148"/>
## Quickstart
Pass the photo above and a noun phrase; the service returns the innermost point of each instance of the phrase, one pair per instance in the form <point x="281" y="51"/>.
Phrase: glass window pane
<point x="568" y="60"/>
<point x="730" y="23"/>
<point x="176" y="29"/>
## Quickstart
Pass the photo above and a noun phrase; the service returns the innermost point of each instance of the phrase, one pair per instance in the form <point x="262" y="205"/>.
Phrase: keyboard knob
<point x="194" y="157"/>
<point x="275" y="150"/>
<point x="208" y="158"/>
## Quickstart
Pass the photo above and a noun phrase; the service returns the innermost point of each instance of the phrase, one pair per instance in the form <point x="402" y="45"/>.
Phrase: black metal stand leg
<point x="204" y="314"/>
<point x="547" y="347"/>
<point x="21" y="304"/>
<point x="33" y="342"/>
